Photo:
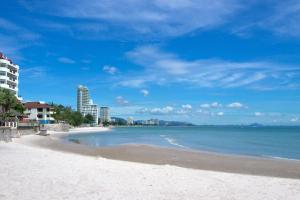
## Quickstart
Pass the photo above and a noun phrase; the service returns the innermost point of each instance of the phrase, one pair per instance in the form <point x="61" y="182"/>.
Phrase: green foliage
<point x="75" y="119"/>
<point x="118" y="121"/>
<point x="88" y="119"/>
<point x="106" y="123"/>
<point x="9" y="104"/>
<point x="66" y="114"/>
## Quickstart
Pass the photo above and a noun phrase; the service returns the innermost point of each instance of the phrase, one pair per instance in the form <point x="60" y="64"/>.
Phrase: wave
<point x="172" y="141"/>
<point x="280" y="158"/>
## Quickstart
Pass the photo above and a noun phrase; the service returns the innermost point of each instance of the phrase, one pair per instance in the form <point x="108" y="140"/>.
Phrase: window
<point x="40" y="109"/>
<point x="2" y="73"/>
<point x="40" y="116"/>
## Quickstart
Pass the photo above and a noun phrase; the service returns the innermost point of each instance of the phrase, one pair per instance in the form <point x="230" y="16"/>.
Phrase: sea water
<point x="276" y="142"/>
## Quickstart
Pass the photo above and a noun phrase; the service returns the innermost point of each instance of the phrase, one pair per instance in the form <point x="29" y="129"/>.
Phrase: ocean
<point x="272" y="141"/>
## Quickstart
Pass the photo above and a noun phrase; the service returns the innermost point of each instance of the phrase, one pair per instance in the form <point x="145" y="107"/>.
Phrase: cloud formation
<point x="140" y="17"/>
<point x="157" y="111"/>
<point x="220" y="113"/>
<point x="167" y="68"/>
<point x="121" y="101"/>
<point x="144" y="92"/>
<point x="66" y="60"/>
<point x="258" y="114"/>
<point x="14" y="38"/>
<point x="110" y="69"/>
<point x="211" y="105"/>
<point x="235" y="105"/>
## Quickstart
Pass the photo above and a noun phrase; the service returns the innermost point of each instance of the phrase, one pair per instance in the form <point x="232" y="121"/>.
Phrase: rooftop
<point x="36" y="105"/>
<point x="2" y="56"/>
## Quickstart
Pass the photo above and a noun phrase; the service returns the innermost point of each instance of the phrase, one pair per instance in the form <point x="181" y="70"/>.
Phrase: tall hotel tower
<point x="9" y="74"/>
<point x="85" y="105"/>
<point x="83" y="97"/>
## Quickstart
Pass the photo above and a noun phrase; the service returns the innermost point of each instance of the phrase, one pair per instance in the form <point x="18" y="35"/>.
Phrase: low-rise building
<point x="91" y="109"/>
<point x="39" y="112"/>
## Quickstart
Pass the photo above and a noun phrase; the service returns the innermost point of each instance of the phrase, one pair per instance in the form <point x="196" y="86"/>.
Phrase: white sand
<point x="82" y="130"/>
<point x="28" y="173"/>
<point x="89" y="129"/>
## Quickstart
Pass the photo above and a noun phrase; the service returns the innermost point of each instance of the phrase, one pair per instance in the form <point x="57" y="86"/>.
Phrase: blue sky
<point x="208" y="62"/>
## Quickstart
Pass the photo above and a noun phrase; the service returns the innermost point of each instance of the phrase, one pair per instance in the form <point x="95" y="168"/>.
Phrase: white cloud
<point x="294" y="119"/>
<point x="33" y="72"/>
<point x="66" y="60"/>
<point x="121" y="101"/>
<point x="134" y="83"/>
<point x="258" y="114"/>
<point x="157" y="111"/>
<point x="110" y="69"/>
<point x="284" y="19"/>
<point x="212" y="105"/>
<point x="205" y="105"/>
<point x="187" y="106"/>
<point x="161" y="67"/>
<point x="236" y="105"/>
<point x="216" y="105"/>
<point x="144" y="92"/>
<point x="142" y="18"/>
<point x="14" y="38"/>
<point x="220" y="113"/>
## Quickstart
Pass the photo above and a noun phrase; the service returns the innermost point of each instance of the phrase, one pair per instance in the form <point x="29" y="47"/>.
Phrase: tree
<point x="75" y="119"/>
<point x="66" y="114"/>
<point x="88" y="119"/>
<point x="9" y="104"/>
<point x="106" y="123"/>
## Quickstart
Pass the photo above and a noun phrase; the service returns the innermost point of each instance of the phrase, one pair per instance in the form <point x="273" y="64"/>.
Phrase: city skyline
<point x="219" y="63"/>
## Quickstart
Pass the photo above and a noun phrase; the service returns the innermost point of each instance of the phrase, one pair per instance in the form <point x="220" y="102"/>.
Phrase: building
<point x="83" y="97"/>
<point x="91" y="109"/>
<point x="85" y="105"/>
<point x="39" y="112"/>
<point x="130" y="121"/>
<point x="151" y="122"/>
<point x="9" y="74"/>
<point x="104" y="114"/>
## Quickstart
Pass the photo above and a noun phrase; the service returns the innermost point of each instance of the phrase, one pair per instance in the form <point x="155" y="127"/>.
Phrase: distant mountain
<point x="174" y="123"/>
<point x="150" y="122"/>
<point x="118" y="121"/>
<point x="255" y="125"/>
<point x="161" y="123"/>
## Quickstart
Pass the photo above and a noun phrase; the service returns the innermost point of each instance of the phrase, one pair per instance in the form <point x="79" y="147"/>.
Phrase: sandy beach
<point x="38" y="167"/>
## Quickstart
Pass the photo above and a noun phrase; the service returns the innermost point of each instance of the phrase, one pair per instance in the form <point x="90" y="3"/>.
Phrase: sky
<point x="201" y="61"/>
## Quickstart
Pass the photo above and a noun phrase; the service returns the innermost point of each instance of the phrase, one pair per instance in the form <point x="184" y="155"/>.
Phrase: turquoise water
<point x="277" y="142"/>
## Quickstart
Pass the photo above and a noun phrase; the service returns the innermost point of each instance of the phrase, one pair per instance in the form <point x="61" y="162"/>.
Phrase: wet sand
<point x="183" y="158"/>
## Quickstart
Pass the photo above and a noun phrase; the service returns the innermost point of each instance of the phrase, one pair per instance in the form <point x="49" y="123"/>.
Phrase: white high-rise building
<point x="85" y="105"/>
<point x="9" y="74"/>
<point x="104" y="114"/>
<point x="83" y="97"/>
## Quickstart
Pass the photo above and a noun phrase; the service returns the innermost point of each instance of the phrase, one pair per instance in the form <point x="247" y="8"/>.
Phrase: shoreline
<point x="150" y="154"/>
<point x="44" y="167"/>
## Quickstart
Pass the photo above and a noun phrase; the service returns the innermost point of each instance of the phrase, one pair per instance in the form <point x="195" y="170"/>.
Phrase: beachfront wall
<point x="6" y="134"/>
<point x="57" y="127"/>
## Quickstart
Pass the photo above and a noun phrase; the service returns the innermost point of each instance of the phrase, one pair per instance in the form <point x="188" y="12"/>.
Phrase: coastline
<point x="149" y="154"/>
<point x="44" y="167"/>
